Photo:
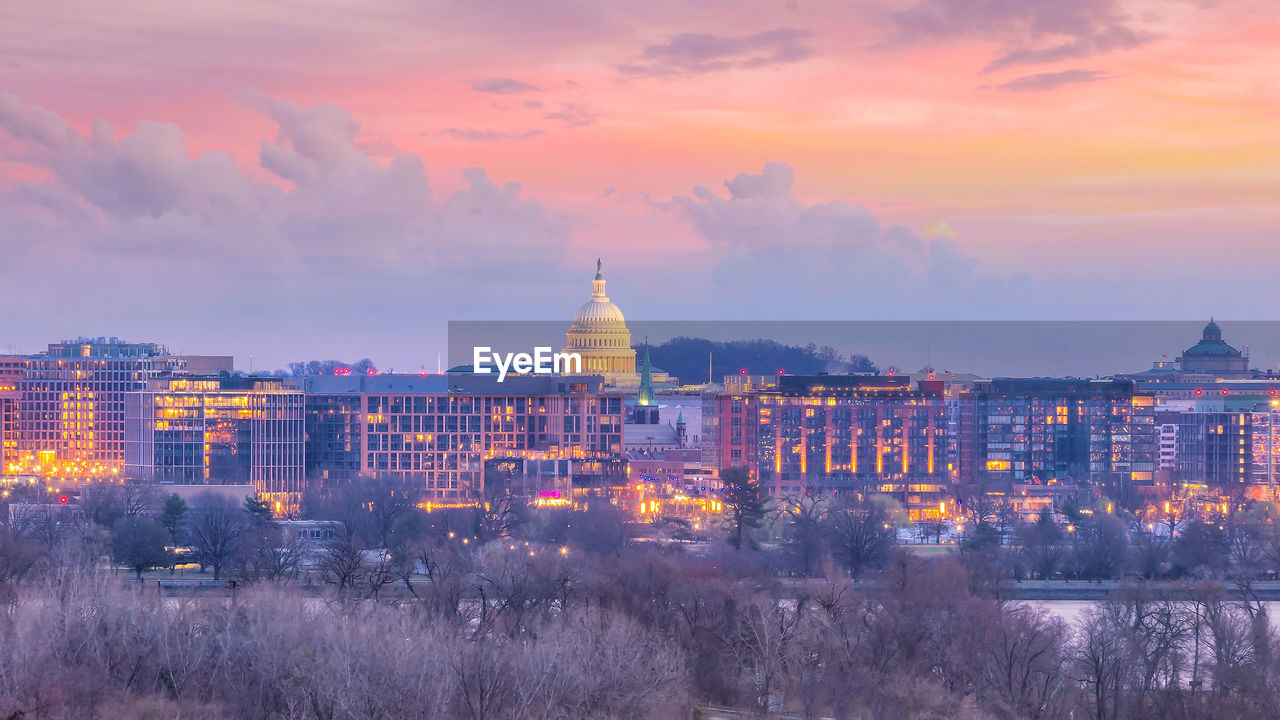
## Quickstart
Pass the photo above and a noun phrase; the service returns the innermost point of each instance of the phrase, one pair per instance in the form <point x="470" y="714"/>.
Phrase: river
<point x="1072" y="610"/>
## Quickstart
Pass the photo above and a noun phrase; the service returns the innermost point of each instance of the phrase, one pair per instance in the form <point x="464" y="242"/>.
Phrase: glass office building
<point x="1019" y="430"/>
<point x="217" y="431"/>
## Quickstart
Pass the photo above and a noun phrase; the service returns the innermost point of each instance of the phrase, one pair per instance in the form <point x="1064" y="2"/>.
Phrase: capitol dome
<point x="599" y="334"/>
<point x="598" y="311"/>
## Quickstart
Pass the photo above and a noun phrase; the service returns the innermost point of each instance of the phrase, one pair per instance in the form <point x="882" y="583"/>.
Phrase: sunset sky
<point x="336" y="179"/>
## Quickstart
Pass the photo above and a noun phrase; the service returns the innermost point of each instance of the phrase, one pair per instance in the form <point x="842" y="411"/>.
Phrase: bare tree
<point x="484" y="681"/>
<point x="341" y="563"/>
<point x="765" y="647"/>
<point x="860" y="535"/>
<point x="448" y="568"/>
<point x="803" y="519"/>
<point x="216" y="527"/>
<point x="1023" y="662"/>
<point x="19" y="556"/>
<point x="1100" y="663"/>
<point x="270" y="554"/>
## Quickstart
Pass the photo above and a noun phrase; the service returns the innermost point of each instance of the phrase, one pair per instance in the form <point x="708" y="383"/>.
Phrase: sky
<point x="335" y="179"/>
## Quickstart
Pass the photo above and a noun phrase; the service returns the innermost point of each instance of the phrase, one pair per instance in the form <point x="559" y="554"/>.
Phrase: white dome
<point x="597" y="313"/>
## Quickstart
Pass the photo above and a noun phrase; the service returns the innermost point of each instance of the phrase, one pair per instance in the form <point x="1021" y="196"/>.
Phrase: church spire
<point x="645" y="396"/>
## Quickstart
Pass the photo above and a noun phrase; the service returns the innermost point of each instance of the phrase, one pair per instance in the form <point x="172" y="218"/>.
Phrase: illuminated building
<point x="1216" y="448"/>
<point x="680" y="468"/>
<point x="954" y="386"/>
<point x="225" y="430"/>
<point x="729" y="422"/>
<point x="1228" y="438"/>
<point x="1265" y="445"/>
<point x="669" y="484"/>
<point x="835" y="434"/>
<point x="1029" y="430"/>
<point x="334" y="426"/>
<point x="1167" y="430"/>
<point x="843" y="434"/>
<point x="439" y="434"/>
<point x="599" y="334"/>
<point x="12" y="370"/>
<point x="71" y="405"/>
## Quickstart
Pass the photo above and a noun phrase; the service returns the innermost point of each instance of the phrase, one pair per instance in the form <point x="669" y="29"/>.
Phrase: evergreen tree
<point x="744" y="499"/>
<point x="172" y="515"/>
<point x="259" y="510"/>
<point x="139" y="544"/>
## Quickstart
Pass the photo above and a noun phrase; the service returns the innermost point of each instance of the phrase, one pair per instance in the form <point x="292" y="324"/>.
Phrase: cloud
<point x="503" y="86"/>
<point x="764" y="236"/>
<point x="692" y="53"/>
<point x="1051" y="80"/>
<point x="146" y="173"/>
<point x="143" y="210"/>
<point x="573" y="115"/>
<point x="1031" y="31"/>
<point x="29" y="122"/>
<point x="486" y="135"/>
<point x="1103" y="41"/>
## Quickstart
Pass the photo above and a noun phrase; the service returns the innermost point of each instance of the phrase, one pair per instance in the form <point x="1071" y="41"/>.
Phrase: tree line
<point x="686" y="358"/>
<point x="504" y="610"/>
<point x="506" y="629"/>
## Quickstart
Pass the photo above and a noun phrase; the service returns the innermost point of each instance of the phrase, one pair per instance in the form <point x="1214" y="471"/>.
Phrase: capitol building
<point x="599" y="334"/>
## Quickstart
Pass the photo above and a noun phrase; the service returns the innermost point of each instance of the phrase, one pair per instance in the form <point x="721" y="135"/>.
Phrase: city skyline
<point x="185" y="174"/>
<point x="640" y="359"/>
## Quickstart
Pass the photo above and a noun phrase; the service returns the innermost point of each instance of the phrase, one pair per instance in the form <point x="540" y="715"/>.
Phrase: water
<point x="1069" y="610"/>
<point x="1072" y="610"/>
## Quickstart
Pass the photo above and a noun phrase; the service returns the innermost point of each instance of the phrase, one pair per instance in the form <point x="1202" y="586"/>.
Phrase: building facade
<point x="193" y="430"/>
<point x="729" y="421"/>
<point x="851" y="434"/>
<point x="1215" y="449"/>
<point x="439" y="434"/>
<point x="71" y="406"/>
<point x="1041" y="430"/>
<point x="12" y="371"/>
<point x="833" y="434"/>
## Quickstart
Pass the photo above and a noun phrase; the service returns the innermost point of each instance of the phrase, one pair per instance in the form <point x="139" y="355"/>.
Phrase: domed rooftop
<point x="598" y="312"/>
<point x="1211" y="344"/>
